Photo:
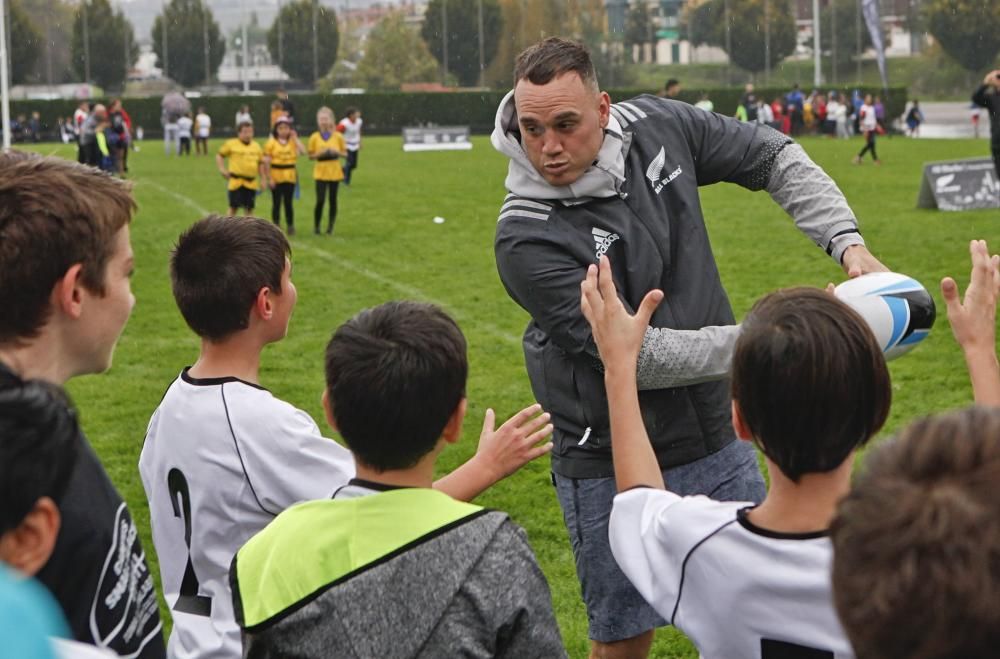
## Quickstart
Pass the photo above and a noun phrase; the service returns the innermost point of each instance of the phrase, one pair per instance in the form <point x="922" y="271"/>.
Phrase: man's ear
<point x="328" y="410"/>
<point x="263" y="305"/>
<point x="604" y="110"/>
<point x="67" y="294"/>
<point x="28" y="547"/>
<point x="739" y="425"/>
<point x="453" y="429"/>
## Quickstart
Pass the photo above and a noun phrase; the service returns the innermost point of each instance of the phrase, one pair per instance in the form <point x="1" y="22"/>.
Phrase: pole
<point x="128" y="59"/>
<point x="86" y="43"/>
<point x="315" y="41"/>
<point x="833" y="40"/>
<point x="48" y="45"/>
<point x="767" y="42"/>
<point x="817" y="48"/>
<point x="444" y="41"/>
<point x="204" y="42"/>
<point x="4" y="82"/>
<point x="246" y="47"/>
<point x="857" y="33"/>
<point x="729" y="45"/>
<point x="281" y="40"/>
<point x="482" y="65"/>
<point x="164" y="42"/>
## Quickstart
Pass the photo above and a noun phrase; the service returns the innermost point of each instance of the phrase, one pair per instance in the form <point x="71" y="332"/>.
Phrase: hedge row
<point x="384" y="113"/>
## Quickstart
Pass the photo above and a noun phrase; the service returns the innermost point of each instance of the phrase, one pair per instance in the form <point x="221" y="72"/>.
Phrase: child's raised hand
<point x="973" y="320"/>
<point x="618" y="334"/>
<point x="506" y="449"/>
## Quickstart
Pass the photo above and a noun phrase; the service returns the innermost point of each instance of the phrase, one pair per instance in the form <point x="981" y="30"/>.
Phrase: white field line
<point x="409" y="292"/>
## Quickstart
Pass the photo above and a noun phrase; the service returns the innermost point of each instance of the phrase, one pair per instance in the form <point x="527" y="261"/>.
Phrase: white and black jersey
<point x="221" y="459"/>
<point x="738" y="591"/>
<point x="352" y="132"/>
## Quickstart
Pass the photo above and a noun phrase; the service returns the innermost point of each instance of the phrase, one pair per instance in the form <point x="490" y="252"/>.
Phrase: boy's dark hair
<point x="916" y="566"/>
<point x="38" y="446"/>
<point x="243" y="124"/>
<point x="53" y="214"/>
<point x="671" y="82"/>
<point x="395" y="374"/>
<point x="350" y="110"/>
<point x="219" y="266"/>
<point x="548" y="59"/>
<point x="810" y="380"/>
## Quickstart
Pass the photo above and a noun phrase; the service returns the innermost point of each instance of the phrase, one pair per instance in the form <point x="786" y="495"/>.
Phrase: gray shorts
<point x="615" y="609"/>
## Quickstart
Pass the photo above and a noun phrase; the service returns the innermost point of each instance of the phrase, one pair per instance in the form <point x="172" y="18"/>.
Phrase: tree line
<point x="460" y="42"/>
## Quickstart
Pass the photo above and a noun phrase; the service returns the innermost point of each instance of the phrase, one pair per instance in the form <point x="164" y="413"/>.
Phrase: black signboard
<point x="436" y="138"/>
<point x="960" y="185"/>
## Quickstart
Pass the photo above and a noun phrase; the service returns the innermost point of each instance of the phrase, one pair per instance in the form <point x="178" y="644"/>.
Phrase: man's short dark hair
<point x="53" y="214"/>
<point x="810" y="380"/>
<point x="546" y="60"/>
<point x="916" y="564"/>
<point x="219" y="266"/>
<point x="671" y="82"/>
<point x="395" y="374"/>
<point x="38" y="446"/>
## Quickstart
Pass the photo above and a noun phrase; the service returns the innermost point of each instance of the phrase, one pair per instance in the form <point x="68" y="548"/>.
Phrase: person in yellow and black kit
<point x="280" y="153"/>
<point x="326" y="147"/>
<point x="246" y="164"/>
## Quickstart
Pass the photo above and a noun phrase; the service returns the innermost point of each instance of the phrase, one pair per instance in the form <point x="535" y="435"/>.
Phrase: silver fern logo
<point x="655" y="172"/>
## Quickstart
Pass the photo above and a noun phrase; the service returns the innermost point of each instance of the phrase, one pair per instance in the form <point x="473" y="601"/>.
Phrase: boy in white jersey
<point x="223" y="456"/>
<point x="202" y="126"/>
<point x="809" y="385"/>
<point x="918" y="578"/>
<point x="350" y="126"/>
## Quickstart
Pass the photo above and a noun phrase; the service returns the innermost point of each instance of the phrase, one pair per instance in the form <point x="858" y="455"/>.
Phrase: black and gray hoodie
<point x="402" y="573"/>
<point x="639" y="204"/>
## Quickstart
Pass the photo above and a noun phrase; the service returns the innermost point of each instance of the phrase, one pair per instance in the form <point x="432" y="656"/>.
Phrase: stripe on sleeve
<point x="625" y="112"/>
<point x="635" y="110"/>
<point x="523" y="213"/>
<point x="527" y="204"/>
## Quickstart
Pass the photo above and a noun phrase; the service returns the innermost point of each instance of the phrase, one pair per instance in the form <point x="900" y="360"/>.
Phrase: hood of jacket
<point x="603" y="179"/>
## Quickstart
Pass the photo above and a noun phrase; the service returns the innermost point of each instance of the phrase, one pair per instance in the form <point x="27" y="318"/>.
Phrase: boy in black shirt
<point x="65" y="260"/>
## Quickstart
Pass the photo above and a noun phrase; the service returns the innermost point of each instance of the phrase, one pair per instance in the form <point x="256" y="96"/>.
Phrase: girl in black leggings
<point x="280" y="153"/>
<point x="324" y="188"/>
<point x="327" y="148"/>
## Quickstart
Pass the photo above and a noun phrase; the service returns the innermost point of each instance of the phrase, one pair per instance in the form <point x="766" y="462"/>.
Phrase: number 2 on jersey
<point x="189" y="600"/>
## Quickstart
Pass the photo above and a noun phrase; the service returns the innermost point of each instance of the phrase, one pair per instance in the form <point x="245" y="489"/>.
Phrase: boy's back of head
<point x="53" y="214"/>
<point x="38" y="449"/>
<point x="395" y="375"/>
<point x="809" y="379"/>
<point x="219" y="266"/>
<point x="916" y="566"/>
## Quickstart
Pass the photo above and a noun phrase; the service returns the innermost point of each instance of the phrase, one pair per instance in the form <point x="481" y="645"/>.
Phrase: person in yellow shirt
<point x="280" y="152"/>
<point x="326" y="147"/>
<point x="277" y="112"/>
<point x="246" y="163"/>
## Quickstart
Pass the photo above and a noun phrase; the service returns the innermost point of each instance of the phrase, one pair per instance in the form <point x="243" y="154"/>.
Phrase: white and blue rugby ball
<point x="898" y="308"/>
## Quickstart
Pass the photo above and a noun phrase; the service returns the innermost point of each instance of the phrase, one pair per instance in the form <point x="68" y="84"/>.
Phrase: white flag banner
<point x="870" y="10"/>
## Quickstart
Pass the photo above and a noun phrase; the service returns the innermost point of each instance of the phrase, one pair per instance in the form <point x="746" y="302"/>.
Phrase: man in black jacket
<point x="988" y="96"/>
<point x="588" y="178"/>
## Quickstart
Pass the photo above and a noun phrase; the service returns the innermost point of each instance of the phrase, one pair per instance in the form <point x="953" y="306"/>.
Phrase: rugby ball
<point x="898" y="308"/>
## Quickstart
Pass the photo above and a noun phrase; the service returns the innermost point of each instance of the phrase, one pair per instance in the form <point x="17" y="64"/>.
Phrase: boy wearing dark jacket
<point x="390" y="567"/>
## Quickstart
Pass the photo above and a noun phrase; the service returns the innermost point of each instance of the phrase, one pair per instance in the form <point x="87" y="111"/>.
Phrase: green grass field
<point x="387" y="247"/>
